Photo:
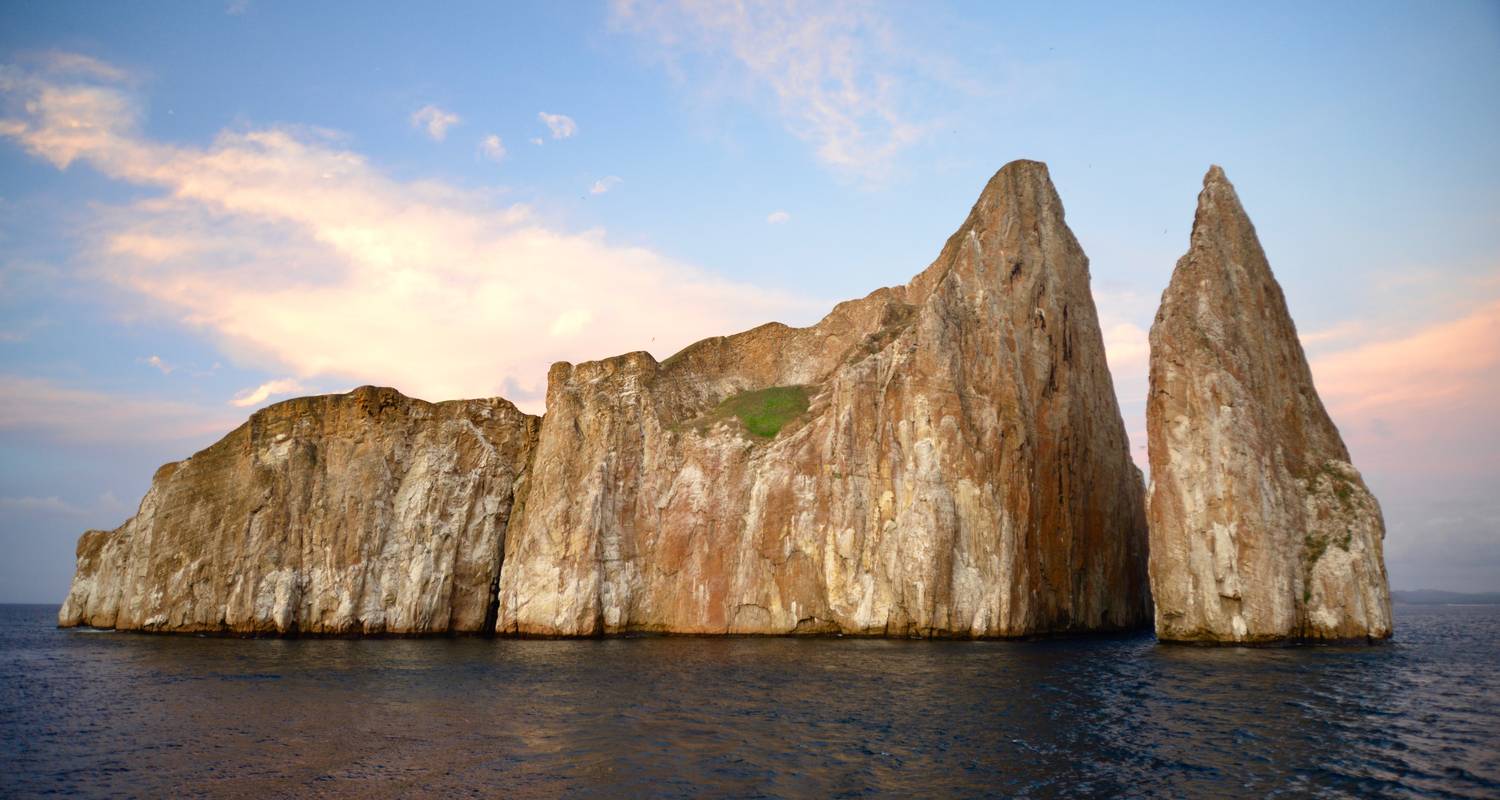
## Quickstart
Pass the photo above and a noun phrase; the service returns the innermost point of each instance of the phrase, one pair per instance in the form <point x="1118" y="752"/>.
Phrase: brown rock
<point x="1261" y="529"/>
<point x="944" y="458"/>
<point x="960" y="468"/>
<point x="367" y="512"/>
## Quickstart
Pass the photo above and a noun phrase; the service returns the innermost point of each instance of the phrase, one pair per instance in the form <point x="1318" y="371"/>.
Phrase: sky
<point x="206" y="208"/>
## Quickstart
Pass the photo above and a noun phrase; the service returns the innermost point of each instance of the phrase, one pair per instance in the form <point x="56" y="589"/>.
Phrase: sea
<point x="101" y="714"/>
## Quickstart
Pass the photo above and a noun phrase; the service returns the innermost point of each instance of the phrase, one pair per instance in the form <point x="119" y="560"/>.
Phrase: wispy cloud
<point x="61" y="63"/>
<point x="561" y="126"/>
<point x="300" y="257"/>
<point x="778" y="218"/>
<point x="158" y="363"/>
<point x="1424" y="401"/>
<point x="835" y="71"/>
<point x="605" y="184"/>
<point x="1341" y="332"/>
<point x="45" y="409"/>
<point x="265" y="391"/>
<point x="492" y="148"/>
<point x="50" y="505"/>
<point x="104" y="505"/>
<point x="435" y="121"/>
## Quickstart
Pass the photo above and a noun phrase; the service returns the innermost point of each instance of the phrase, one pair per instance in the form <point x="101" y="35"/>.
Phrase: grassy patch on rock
<point x="762" y="412"/>
<point x="1339" y="485"/>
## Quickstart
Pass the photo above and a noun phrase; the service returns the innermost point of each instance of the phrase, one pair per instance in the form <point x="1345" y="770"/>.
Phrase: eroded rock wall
<point x="1261" y="528"/>
<point x="368" y="512"/>
<point x="961" y="470"/>
<point x="944" y="458"/>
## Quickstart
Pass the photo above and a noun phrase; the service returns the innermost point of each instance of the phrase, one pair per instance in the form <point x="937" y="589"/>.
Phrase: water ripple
<point x="1112" y="716"/>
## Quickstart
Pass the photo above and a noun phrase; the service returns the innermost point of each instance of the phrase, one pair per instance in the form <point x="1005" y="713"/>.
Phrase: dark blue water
<point x="134" y="715"/>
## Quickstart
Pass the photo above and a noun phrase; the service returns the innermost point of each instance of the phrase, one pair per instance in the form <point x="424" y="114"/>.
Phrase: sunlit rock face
<point x="367" y="512"/>
<point x="944" y="458"/>
<point x="960" y="469"/>
<point x="1261" y="529"/>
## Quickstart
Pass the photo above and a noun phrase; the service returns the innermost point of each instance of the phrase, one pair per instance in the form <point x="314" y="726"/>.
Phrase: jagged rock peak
<point x="1261" y="530"/>
<point x="944" y="458"/>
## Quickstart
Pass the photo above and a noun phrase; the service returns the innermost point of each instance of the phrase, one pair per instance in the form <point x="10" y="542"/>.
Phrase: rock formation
<point x="1261" y="529"/>
<point x="944" y="458"/>
<point x="367" y="512"/>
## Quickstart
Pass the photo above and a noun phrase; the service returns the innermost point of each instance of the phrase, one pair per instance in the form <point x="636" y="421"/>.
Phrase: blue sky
<point x="205" y="208"/>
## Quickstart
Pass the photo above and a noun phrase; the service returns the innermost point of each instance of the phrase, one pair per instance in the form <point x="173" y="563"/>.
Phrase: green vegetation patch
<point x="1313" y="549"/>
<point x="1341" y="486"/>
<point x="763" y="412"/>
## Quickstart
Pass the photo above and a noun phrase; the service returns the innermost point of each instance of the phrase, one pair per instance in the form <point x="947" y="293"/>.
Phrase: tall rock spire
<point x="952" y="462"/>
<point x="1261" y="529"/>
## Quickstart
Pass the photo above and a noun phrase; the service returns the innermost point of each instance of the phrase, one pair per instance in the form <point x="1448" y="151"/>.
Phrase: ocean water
<point x="116" y="714"/>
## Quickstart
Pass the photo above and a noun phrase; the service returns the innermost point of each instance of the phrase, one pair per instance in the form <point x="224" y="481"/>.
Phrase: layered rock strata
<point x="1261" y="528"/>
<point x="960" y="468"/>
<point x="367" y="512"/>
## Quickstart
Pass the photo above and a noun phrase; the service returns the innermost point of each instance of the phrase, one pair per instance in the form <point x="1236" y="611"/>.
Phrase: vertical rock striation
<point x="367" y="512"/>
<point x="1261" y="529"/>
<point x="944" y="458"/>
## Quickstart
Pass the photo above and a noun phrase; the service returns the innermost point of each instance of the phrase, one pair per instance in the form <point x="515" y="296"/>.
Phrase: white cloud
<point x="570" y="322"/>
<point x="605" y="184"/>
<point x="265" y="391"/>
<point x="156" y="361"/>
<point x="778" y="218"/>
<point x="1127" y="350"/>
<point x="834" y="69"/>
<point x="299" y="257"/>
<point x="537" y="140"/>
<point x="492" y="148"/>
<point x="435" y="121"/>
<point x="562" y="127"/>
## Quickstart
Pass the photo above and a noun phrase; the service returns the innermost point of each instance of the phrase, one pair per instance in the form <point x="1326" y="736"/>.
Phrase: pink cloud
<point x="1424" y="402"/>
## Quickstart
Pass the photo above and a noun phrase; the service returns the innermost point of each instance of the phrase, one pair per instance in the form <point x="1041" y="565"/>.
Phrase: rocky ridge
<point x="943" y="458"/>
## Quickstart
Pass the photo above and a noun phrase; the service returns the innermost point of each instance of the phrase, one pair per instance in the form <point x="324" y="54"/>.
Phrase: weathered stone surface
<point x="944" y="458"/>
<point x="1261" y="529"/>
<point x="367" y="512"/>
<point x="961" y="468"/>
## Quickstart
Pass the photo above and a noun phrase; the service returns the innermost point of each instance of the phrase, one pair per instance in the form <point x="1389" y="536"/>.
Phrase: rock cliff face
<point x="367" y="512"/>
<point x="944" y="458"/>
<point x="1261" y="529"/>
